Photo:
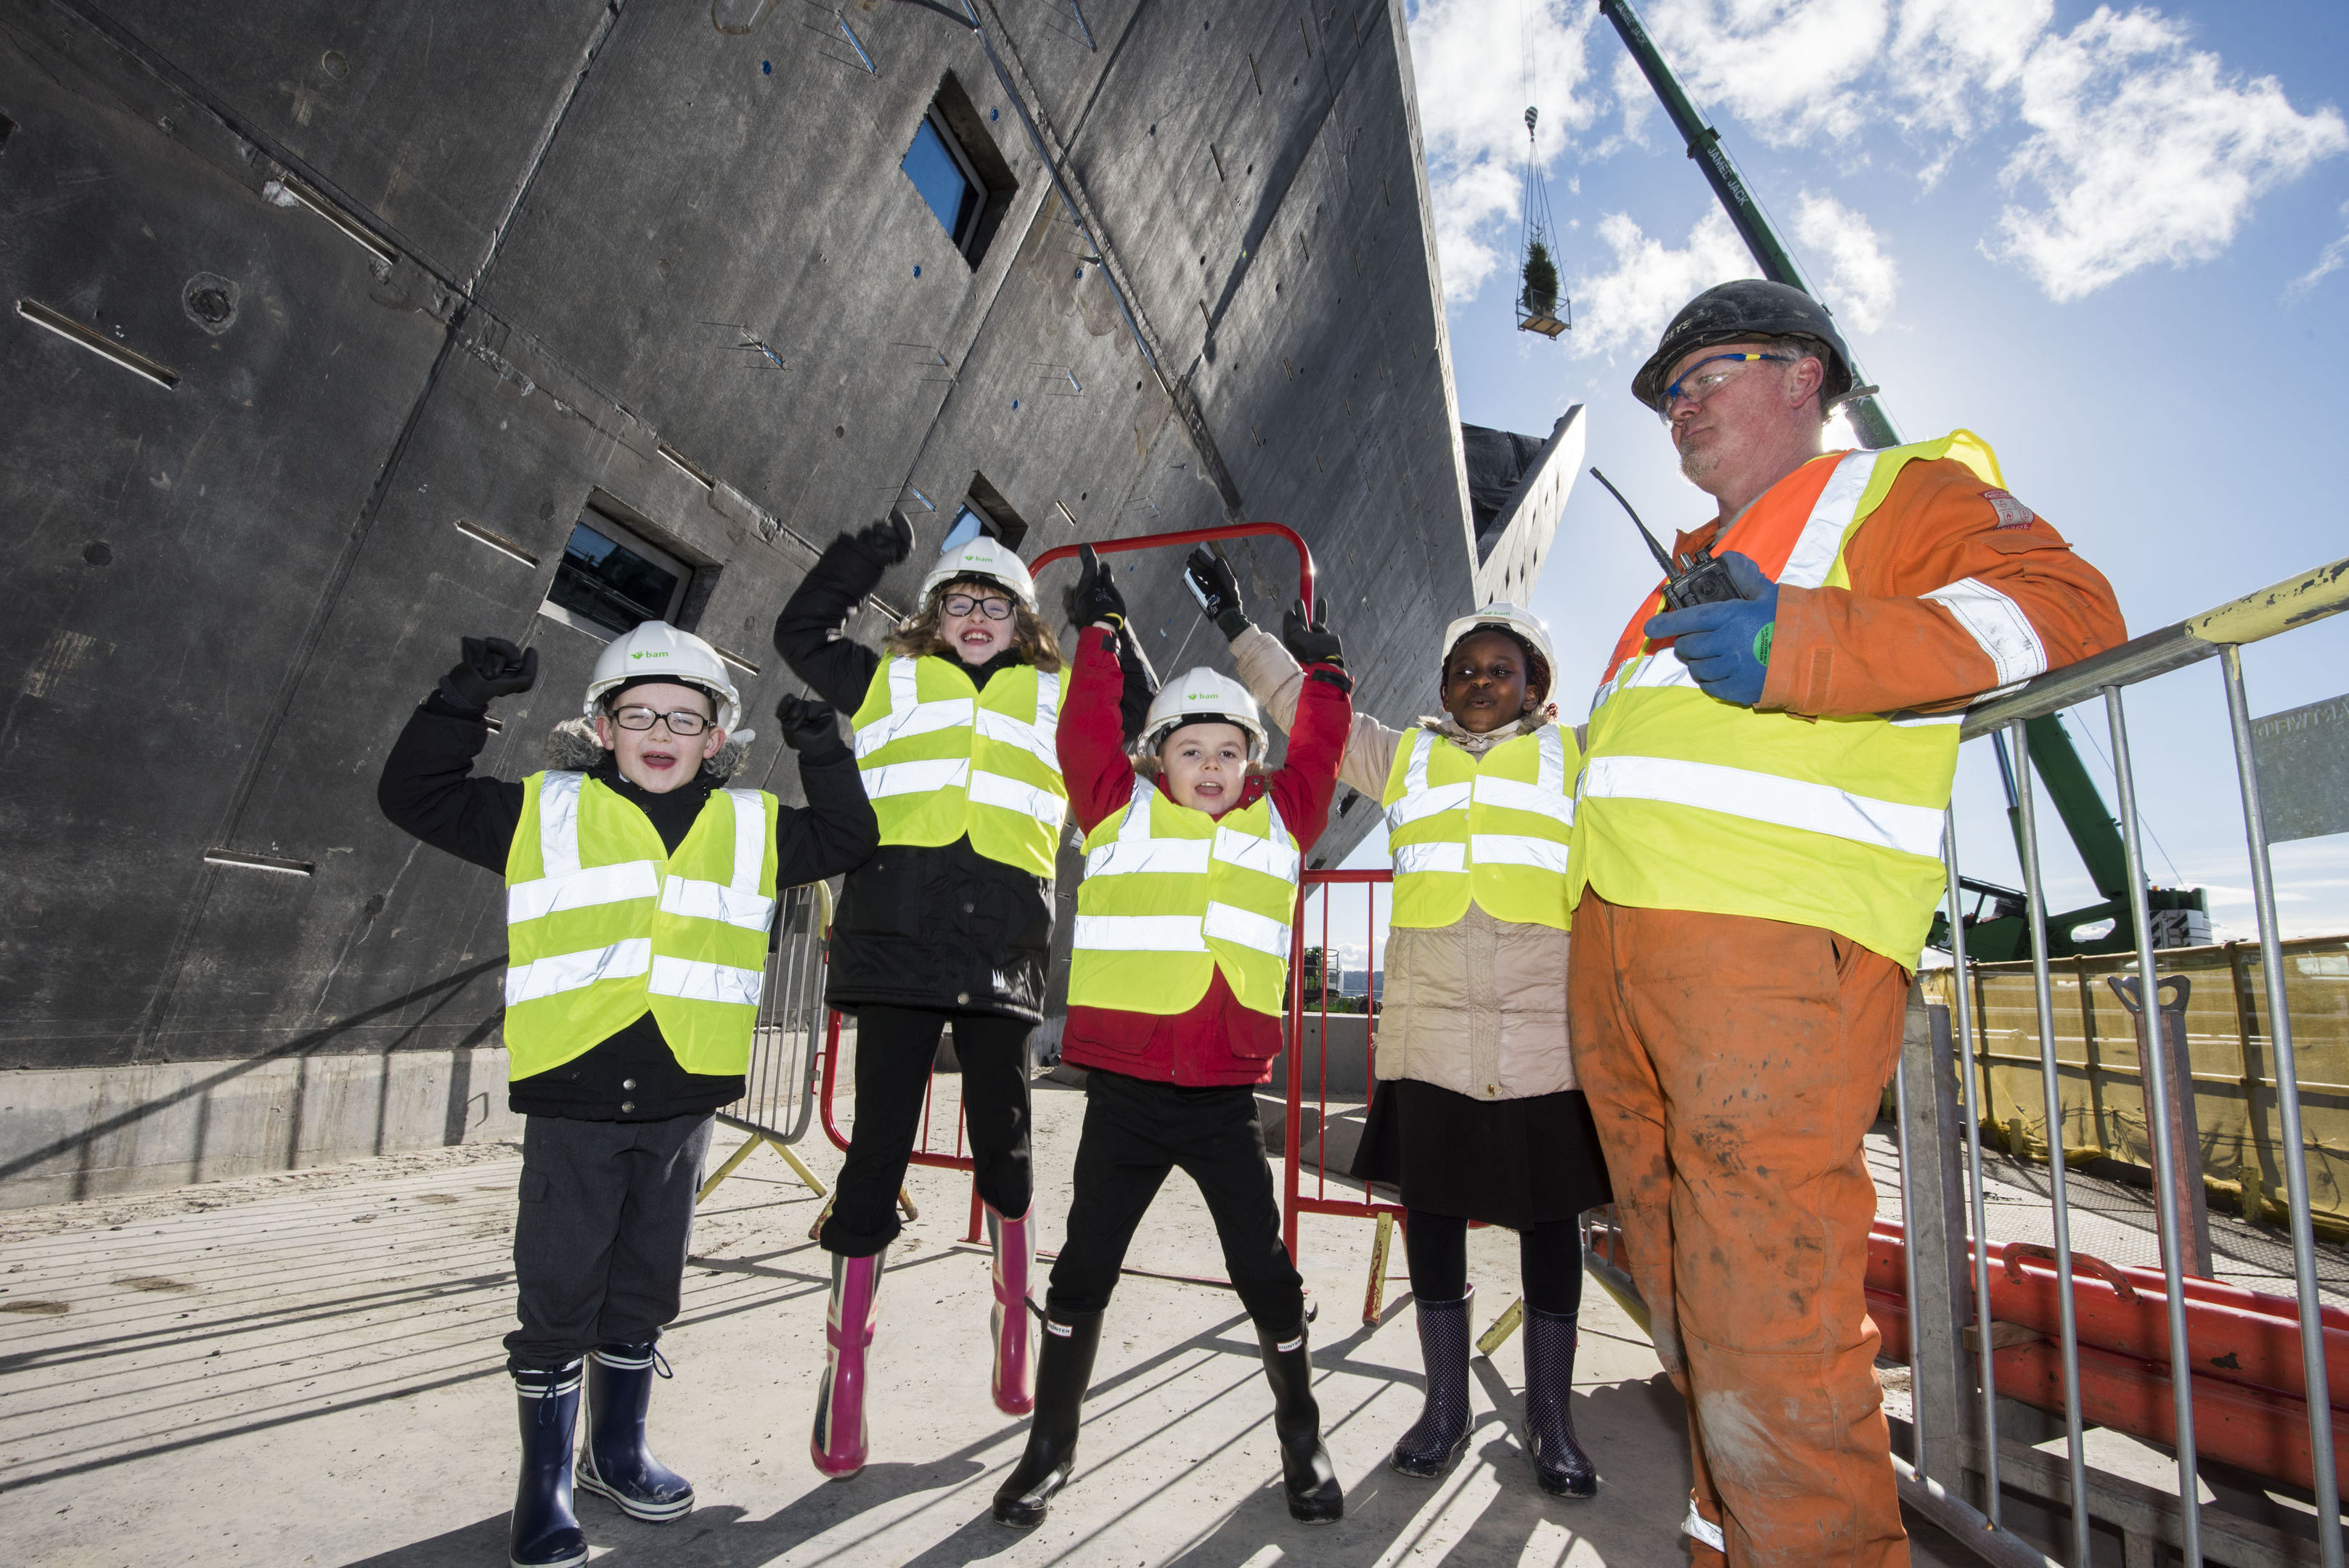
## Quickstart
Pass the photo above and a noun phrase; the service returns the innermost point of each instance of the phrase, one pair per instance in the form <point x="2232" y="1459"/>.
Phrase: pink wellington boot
<point x="839" y="1443"/>
<point x="1015" y="1260"/>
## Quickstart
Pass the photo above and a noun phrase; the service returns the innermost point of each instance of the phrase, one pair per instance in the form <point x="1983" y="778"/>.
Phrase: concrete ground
<point x="304" y="1370"/>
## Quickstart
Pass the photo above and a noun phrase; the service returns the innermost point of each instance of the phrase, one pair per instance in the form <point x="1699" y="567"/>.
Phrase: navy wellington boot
<point x="544" y="1532"/>
<point x="617" y="1461"/>
<point x="1560" y="1466"/>
<point x="1440" y="1436"/>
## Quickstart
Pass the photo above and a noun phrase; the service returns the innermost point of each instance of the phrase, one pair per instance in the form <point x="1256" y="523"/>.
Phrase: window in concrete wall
<point x="955" y="166"/>
<point x="610" y="580"/>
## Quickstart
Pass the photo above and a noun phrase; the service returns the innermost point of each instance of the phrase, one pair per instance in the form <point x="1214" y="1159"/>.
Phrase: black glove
<point x="1213" y="584"/>
<point x="1141" y="685"/>
<point x="491" y="667"/>
<point x="809" y="725"/>
<point x="888" y="541"/>
<point x="1096" y="597"/>
<point x="1310" y="642"/>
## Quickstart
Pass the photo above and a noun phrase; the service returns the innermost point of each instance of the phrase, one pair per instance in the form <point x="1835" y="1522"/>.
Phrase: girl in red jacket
<point x="1176" y="988"/>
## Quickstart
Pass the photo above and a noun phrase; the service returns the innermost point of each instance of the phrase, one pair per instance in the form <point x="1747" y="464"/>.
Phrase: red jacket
<point x="1218" y="1042"/>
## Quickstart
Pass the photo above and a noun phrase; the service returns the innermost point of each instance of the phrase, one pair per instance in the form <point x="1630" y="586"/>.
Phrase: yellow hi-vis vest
<point x="602" y="921"/>
<point x="1690" y="803"/>
<point x="1495" y="828"/>
<point x="940" y="759"/>
<point x="1171" y="895"/>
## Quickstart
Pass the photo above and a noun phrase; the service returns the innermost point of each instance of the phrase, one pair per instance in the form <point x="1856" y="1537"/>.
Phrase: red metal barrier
<point x="1293" y="1200"/>
<point x="922" y="1153"/>
<point x="2249" y="1387"/>
<point x="1194" y="536"/>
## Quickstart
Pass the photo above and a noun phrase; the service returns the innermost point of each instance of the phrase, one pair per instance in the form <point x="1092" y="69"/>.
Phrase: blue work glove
<point x="1726" y="646"/>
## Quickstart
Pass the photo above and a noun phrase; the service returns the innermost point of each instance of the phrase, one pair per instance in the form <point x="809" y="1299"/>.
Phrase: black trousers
<point x="895" y="1049"/>
<point x="1135" y="1132"/>
<point x="600" y="1244"/>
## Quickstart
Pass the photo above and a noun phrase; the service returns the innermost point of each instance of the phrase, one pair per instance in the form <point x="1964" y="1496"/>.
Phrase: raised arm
<point x="1275" y="679"/>
<point x="428" y="788"/>
<point x="811" y="633"/>
<point x="836" y="830"/>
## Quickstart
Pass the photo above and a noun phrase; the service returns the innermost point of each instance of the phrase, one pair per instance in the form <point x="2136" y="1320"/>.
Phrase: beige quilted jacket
<point x="1478" y="1006"/>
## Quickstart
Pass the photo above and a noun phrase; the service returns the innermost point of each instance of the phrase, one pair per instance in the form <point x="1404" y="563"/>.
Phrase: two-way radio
<point x="1697" y="580"/>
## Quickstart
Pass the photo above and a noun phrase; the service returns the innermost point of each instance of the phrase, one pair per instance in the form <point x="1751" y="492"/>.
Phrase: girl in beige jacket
<point x="1475" y="1115"/>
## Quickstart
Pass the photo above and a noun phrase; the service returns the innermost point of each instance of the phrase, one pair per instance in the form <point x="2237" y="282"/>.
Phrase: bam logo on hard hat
<point x="650" y="653"/>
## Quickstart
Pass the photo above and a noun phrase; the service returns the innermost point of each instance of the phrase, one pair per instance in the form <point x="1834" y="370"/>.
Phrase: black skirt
<point x="1514" y="1163"/>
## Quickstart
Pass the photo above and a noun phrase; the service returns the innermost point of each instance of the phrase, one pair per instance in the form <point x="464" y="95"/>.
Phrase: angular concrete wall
<point x="415" y="272"/>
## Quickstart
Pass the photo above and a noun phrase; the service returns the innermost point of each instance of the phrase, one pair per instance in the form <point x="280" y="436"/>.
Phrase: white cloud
<point x="1857" y="276"/>
<point x="1627" y="305"/>
<point x="1474" y="61"/>
<point x="1950" y="61"/>
<point x="1784" y="66"/>
<point x="2148" y="151"/>
<point x="2335" y="256"/>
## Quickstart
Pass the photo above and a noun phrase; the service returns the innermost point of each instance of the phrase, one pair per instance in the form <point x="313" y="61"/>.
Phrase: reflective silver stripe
<point x="1509" y="794"/>
<point x="1048" y="712"/>
<point x="1140" y="934"/>
<point x="1915" y="721"/>
<point x="1123" y="857"/>
<point x="1036" y="741"/>
<point x="1268" y="857"/>
<point x="1766" y="797"/>
<point x="698" y="900"/>
<point x="915" y="778"/>
<point x="1998" y="625"/>
<point x="1418" y="800"/>
<point x="558" y="823"/>
<point x="909" y="715"/>
<point x="1656" y="672"/>
<point x="922" y="719"/>
<point x="573" y="971"/>
<point x="1228" y="922"/>
<point x="1012" y="794"/>
<point x="1821" y="540"/>
<point x="1516" y="849"/>
<point x="582" y="889"/>
<point x="750" y="840"/>
<point x="706" y="981"/>
<point x="1414" y="857"/>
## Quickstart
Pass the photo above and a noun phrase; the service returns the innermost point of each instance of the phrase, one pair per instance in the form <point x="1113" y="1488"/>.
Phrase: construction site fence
<point x="2221" y="1070"/>
<point x="2215" y="1000"/>
<point x="778" y="1087"/>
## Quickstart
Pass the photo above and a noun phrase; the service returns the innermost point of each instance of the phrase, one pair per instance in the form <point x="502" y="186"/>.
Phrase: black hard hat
<point x="1739" y="312"/>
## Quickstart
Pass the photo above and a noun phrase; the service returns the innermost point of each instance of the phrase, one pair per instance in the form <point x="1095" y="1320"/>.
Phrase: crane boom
<point x="1869" y="422"/>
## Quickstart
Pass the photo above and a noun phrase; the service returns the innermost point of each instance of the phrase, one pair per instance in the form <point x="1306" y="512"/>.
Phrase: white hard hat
<point x="658" y="650"/>
<point x="983" y="560"/>
<point x="1503" y="615"/>
<point x="1203" y="696"/>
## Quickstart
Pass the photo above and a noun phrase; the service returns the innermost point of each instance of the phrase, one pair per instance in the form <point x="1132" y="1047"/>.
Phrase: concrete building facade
<point x="332" y="327"/>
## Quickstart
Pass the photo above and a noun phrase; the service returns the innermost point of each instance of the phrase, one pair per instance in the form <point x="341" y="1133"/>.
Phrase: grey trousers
<point x="600" y="1244"/>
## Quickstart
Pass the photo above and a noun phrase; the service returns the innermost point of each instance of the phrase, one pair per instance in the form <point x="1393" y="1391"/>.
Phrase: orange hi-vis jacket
<point x="1831" y="815"/>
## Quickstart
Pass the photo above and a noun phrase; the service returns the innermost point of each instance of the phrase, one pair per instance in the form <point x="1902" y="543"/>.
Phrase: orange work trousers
<point x="1732" y="1065"/>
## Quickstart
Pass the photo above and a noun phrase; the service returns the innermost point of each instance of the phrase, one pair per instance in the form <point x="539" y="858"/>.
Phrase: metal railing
<point x="1958" y="1469"/>
<point x="779" y="1091"/>
<point x="1295" y="1201"/>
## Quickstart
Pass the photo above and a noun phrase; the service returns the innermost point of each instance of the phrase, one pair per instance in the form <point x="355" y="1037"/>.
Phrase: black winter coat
<point x="942" y="928"/>
<point x="427" y="789"/>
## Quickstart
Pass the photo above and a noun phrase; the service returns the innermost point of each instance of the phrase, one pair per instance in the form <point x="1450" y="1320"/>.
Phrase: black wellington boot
<point x="1560" y="1464"/>
<point x="1441" y="1434"/>
<point x="1306" y="1473"/>
<point x="617" y="1461"/>
<point x="544" y="1532"/>
<point x="1062" y="1369"/>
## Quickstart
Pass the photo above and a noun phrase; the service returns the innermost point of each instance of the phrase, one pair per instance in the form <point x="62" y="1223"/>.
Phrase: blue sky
<point x="2116" y="242"/>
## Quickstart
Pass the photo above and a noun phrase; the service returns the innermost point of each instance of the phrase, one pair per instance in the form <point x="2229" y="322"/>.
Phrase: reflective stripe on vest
<point x="1495" y="828"/>
<point x="1690" y="802"/>
<point x="604" y="923"/>
<point x="1172" y="895"/>
<point x="941" y="759"/>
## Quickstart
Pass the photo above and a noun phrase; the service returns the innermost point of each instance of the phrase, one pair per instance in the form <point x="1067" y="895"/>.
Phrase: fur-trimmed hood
<point x="572" y="747"/>
<point x="1446" y="725"/>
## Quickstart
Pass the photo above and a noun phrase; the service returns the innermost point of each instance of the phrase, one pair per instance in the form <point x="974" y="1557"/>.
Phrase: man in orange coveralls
<point x="1756" y="863"/>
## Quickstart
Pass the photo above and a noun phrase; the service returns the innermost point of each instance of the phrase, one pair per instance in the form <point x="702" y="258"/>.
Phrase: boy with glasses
<point x="639" y="894"/>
